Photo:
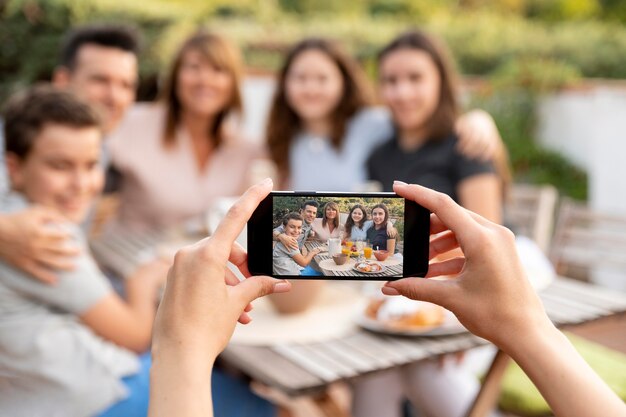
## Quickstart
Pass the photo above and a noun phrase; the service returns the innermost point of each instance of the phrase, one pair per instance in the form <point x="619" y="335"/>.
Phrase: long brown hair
<point x="383" y="225"/>
<point x="441" y="123"/>
<point x="350" y="222"/>
<point x="221" y="54"/>
<point x="284" y="123"/>
<point x="334" y="206"/>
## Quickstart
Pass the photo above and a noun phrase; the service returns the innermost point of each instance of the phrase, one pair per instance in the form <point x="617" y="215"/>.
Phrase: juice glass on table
<point x="367" y="251"/>
<point x="345" y="250"/>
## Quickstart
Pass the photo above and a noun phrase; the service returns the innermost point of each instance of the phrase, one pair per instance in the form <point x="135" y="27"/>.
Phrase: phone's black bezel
<point x="416" y="237"/>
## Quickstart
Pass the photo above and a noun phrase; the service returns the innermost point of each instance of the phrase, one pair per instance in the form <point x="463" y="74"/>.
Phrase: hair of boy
<point x="27" y="113"/>
<point x="311" y="203"/>
<point x="292" y="216"/>
<point x="109" y="36"/>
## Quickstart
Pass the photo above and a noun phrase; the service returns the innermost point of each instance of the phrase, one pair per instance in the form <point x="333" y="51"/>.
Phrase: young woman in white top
<point x="178" y="155"/>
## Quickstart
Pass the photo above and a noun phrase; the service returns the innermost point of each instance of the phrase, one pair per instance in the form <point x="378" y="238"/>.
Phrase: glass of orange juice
<point x="367" y="251"/>
<point x="345" y="250"/>
<point x="349" y="243"/>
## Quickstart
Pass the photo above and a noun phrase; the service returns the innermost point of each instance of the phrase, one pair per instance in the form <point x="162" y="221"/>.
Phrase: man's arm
<point x="29" y="242"/>
<point x="280" y="236"/>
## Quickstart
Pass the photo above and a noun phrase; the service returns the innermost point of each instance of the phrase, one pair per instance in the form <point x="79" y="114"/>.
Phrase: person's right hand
<point x="491" y="295"/>
<point x="288" y="241"/>
<point x="28" y="242"/>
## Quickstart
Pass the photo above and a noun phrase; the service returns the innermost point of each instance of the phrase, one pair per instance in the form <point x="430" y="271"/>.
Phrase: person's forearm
<point x="141" y="300"/>
<point x="180" y="383"/>
<point x="565" y="380"/>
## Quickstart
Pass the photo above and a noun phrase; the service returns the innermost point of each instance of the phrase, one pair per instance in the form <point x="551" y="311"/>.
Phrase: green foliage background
<point x="523" y="48"/>
<point x="284" y="205"/>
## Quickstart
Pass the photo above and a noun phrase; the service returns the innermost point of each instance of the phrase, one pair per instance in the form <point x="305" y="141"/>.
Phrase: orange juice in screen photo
<point x="345" y="250"/>
<point x="367" y="252"/>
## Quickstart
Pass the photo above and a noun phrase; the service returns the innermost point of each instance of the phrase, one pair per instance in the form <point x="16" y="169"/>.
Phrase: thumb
<point x="252" y="288"/>
<point x="422" y="289"/>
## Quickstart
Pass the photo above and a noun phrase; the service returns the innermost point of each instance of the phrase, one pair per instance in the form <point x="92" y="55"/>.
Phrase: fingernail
<point x="390" y="291"/>
<point x="397" y="182"/>
<point x="282" y="286"/>
<point x="267" y="181"/>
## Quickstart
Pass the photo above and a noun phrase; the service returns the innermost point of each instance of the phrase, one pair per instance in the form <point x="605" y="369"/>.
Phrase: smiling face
<point x="330" y="212"/>
<point x="357" y="215"/>
<point x="309" y="213"/>
<point x="104" y="77"/>
<point x="410" y="86"/>
<point x="201" y="87"/>
<point x="378" y="216"/>
<point x="314" y="86"/>
<point x="61" y="171"/>
<point x="293" y="228"/>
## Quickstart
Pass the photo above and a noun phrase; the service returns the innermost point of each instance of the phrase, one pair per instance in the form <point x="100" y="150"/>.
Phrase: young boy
<point x="73" y="346"/>
<point x="308" y="212"/>
<point x="68" y="348"/>
<point x="286" y="261"/>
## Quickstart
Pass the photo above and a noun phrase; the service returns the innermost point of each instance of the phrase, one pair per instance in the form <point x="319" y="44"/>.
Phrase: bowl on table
<point x="381" y="255"/>
<point x="340" y="258"/>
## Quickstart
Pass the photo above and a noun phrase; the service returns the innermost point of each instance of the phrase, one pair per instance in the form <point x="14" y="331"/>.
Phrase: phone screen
<point x="338" y="236"/>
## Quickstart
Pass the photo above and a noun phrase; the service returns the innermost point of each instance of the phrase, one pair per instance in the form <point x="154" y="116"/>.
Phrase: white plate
<point x="449" y="326"/>
<point x="382" y="267"/>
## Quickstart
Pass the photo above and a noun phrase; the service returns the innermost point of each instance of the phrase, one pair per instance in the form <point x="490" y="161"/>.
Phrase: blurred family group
<point x="70" y="345"/>
<point x="296" y="228"/>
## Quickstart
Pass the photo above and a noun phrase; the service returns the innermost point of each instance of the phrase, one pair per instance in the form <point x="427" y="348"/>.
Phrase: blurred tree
<point x="558" y="10"/>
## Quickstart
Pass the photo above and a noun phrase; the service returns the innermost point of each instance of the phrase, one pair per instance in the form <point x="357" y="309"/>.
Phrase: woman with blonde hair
<point x="176" y="156"/>
<point x="328" y="226"/>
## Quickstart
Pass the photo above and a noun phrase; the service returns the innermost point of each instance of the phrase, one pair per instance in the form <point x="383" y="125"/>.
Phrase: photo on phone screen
<point x="338" y="236"/>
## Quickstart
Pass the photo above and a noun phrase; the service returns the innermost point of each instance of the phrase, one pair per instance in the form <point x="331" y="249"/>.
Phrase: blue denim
<point x="309" y="271"/>
<point x="231" y="396"/>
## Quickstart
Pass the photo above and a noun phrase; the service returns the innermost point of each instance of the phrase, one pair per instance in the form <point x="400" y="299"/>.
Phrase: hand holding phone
<point x="383" y="236"/>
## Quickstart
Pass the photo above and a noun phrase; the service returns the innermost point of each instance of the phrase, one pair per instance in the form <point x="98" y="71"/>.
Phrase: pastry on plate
<point x="403" y="313"/>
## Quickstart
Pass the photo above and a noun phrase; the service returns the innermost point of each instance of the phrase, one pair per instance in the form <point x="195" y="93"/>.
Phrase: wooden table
<point x="389" y="271"/>
<point x="302" y="369"/>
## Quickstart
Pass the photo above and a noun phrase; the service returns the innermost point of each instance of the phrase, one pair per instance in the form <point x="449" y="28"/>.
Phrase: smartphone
<point x="338" y="236"/>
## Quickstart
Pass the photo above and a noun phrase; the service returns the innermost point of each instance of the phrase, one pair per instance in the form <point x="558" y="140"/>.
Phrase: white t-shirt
<point x="317" y="166"/>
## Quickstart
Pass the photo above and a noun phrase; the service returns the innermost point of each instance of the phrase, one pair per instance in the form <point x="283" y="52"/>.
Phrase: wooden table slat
<point x="573" y="305"/>
<point x="318" y="354"/>
<point x="262" y="364"/>
<point x="347" y="355"/>
<point x="611" y="297"/>
<point x="322" y="371"/>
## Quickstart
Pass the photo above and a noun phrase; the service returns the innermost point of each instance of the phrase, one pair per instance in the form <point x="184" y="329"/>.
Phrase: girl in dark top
<point x="417" y="85"/>
<point x="377" y="235"/>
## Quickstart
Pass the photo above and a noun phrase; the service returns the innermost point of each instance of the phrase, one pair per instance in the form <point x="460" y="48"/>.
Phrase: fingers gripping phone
<point x="338" y="236"/>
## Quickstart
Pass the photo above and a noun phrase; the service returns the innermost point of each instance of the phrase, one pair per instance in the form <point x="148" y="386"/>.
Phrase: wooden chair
<point x="530" y="210"/>
<point x="587" y="241"/>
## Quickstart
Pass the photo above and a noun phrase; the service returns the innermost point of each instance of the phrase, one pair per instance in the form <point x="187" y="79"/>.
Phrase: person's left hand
<point x="200" y="307"/>
<point x="478" y="135"/>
